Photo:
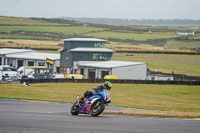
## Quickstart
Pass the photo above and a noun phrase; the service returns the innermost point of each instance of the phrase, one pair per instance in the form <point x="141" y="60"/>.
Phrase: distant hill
<point x="147" y="22"/>
<point x="16" y="31"/>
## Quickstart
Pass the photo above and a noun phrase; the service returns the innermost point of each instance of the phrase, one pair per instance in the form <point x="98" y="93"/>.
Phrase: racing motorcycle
<point x="94" y="105"/>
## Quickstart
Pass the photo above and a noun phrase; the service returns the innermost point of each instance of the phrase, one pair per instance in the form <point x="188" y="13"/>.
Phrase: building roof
<point x="108" y="64"/>
<point x="84" y="40"/>
<point x="82" y="49"/>
<point x="34" y="56"/>
<point x="13" y="51"/>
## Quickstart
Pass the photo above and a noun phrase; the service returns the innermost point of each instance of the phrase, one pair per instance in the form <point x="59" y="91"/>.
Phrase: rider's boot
<point x="82" y="100"/>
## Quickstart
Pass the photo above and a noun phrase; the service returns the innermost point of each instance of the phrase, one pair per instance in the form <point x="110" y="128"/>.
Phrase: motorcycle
<point x="94" y="105"/>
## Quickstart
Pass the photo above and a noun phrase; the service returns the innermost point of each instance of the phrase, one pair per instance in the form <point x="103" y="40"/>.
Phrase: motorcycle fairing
<point x="86" y="107"/>
<point x="104" y="95"/>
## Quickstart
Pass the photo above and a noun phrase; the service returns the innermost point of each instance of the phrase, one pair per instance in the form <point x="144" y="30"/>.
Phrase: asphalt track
<point x="28" y="117"/>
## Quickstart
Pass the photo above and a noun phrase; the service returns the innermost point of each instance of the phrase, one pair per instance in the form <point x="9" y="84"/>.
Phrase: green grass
<point x="157" y="61"/>
<point x="21" y="21"/>
<point x="132" y="36"/>
<point x="51" y="29"/>
<point x="191" y="69"/>
<point x="196" y="37"/>
<point x="160" y="97"/>
<point x="19" y="36"/>
<point x="182" y="45"/>
<point x="157" y="56"/>
<point x="43" y="32"/>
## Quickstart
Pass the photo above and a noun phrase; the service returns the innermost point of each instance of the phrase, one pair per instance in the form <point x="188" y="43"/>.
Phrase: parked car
<point x="12" y="78"/>
<point x="58" y="76"/>
<point x="110" y="77"/>
<point x="74" y="76"/>
<point x="10" y="74"/>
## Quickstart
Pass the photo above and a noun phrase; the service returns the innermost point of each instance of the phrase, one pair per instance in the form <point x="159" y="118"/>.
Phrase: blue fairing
<point x="104" y="95"/>
<point x="86" y="107"/>
<point x="94" y="96"/>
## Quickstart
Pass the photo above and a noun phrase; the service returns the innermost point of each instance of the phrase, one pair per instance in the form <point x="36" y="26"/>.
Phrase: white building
<point x="161" y="77"/>
<point x="121" y="69"/>
<point x="186" y="33"/>
<point x="6" y="51"/>
<point x="27" y="57"/>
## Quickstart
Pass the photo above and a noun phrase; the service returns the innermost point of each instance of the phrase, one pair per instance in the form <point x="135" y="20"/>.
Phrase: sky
<point x="122" y="9"/>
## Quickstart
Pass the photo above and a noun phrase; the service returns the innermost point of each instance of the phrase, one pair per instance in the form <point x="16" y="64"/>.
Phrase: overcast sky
<point x="126" y="9"/>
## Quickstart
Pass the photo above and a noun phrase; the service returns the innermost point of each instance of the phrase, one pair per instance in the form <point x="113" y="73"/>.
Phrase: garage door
<point x="103" y="73"/>
<point x="91" y="74"/>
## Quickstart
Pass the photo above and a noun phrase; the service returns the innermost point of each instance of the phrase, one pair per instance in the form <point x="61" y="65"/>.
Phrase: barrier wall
<point x="113" y="81"/>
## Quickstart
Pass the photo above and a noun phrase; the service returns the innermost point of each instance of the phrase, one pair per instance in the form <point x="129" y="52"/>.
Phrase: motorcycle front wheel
<point x="97" y="108"/>
<point x="74" y="109"/>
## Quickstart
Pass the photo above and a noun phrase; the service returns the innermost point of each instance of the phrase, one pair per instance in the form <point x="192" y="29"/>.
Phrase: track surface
<point x="27" y="117"/>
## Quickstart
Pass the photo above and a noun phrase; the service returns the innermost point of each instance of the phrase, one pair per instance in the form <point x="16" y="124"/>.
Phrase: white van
<point x="7" y="72"/>
<point x="24" y="71"/>
<point x="58" y="76"/>
<point x="28" y="71"/>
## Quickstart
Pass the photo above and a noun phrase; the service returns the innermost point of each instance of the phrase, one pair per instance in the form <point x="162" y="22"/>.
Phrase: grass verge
<point x="172" y="98"/>
<point x="163" y="114"/>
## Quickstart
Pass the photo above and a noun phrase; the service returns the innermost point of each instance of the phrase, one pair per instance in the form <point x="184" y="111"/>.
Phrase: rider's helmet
<point x="107" y="85"/>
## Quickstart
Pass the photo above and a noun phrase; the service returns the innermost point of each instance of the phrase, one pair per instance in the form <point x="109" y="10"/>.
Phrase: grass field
<point x="119" y="46"/>
<point x="182" y="45"/>
<point x="21" y="21"/>
<point x="51" y="29"/>
<point x="20" y="36"/>
<point x="157" y="56"/>
<point x="132" y="36"/>
<point x="128" y="46"/>
<point x="159" y="97"/>
<point x="165" y="62"/>
<point x="196" y="37"/>
<point x="138" y="36"/>
<point x="30" y="43"/>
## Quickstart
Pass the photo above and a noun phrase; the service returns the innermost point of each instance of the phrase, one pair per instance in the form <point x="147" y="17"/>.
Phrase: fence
<point x="113" y="81"/>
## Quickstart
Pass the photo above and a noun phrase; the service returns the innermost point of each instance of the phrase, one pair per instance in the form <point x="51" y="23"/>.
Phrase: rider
<point x="102" y="90"/>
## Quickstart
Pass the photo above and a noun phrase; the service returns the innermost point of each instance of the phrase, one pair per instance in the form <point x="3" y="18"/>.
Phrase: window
<point x="108" y="57"/>
<point x="82" y="71"/>
<point x="20" y="63"/>
<point x="41" y="63"/>
<point x="10" y="62"/>
<point x="95" y="57"/>
<point x="101" y="57"/>
<point x="98" y="45"/>
<point x="30" y="63"/>
<point x="57" y="69"/>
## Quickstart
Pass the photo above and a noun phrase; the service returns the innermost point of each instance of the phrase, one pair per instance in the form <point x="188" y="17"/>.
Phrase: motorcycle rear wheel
<point x="97" y="108"/>
<point x="74" y="109"/>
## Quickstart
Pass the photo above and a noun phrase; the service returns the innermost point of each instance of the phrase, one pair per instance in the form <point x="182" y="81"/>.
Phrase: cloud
<point x="131" y="9"/>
